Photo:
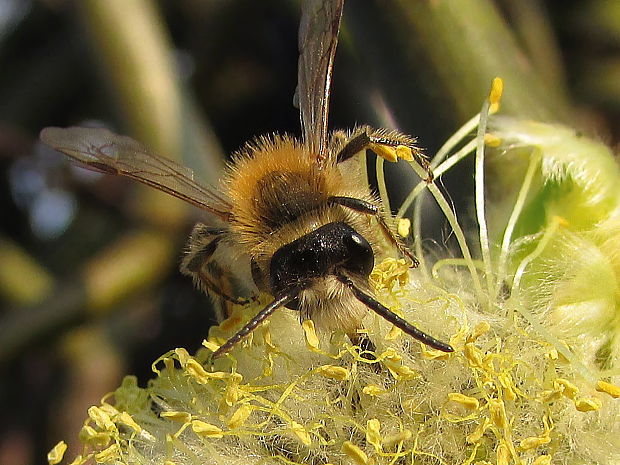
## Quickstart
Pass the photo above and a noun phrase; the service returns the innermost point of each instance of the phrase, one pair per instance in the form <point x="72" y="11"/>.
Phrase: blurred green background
<point x="89" y="287"/>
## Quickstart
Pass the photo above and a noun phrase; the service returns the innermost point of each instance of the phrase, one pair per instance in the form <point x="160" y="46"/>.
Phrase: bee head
<point x="331" y="249"/>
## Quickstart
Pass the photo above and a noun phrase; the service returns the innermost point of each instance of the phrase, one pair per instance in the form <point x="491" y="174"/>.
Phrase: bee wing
<point x="318" y="37"/>
<point x="101" y="150"/>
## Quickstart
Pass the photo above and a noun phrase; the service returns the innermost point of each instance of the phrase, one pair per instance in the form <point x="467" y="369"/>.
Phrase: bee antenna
<point x="392" y="317"/>
<point x="280" y="301"/>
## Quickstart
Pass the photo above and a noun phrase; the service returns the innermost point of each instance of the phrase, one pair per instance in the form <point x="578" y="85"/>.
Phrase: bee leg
<point x="367" y="349"/>
<point x="199" y="264"/>
<point x="368" y="208"/>
<point x="378" y="140"/>
<point x="363" y="342"/>
<point x="279" y="301"/>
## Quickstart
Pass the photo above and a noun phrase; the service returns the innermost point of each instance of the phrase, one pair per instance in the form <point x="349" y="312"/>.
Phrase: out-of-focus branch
<point x="599" y="74"/>
<point x="23" y="281"/>
<point x="468" y="43"/>
<point x="137" y="58"/>
<point x="132" y="265"/>
<point x="531" y="24"/>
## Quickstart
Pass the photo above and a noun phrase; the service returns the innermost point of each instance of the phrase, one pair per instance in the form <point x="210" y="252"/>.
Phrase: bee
<point x="297" y="211"/>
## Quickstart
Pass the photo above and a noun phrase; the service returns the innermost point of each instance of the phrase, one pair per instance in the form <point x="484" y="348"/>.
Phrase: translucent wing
<point x="318" y="37"/>
<point x="104" y="151"/>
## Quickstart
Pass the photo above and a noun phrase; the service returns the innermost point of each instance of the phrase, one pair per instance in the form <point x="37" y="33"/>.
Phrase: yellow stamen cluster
<point x="516" y="390"/>
<point x="500" y="398"/>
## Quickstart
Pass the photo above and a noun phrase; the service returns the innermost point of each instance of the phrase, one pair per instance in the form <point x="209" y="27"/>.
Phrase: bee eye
<point x="360" y="258"/>
<point x="293" y="304"/>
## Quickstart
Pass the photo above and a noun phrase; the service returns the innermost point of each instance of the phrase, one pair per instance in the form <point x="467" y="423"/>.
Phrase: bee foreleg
<point x="358" y="141"/>
<point x="367" y="347"/>
<point x="377" y="140"/>
<point x="392" y="317"/>
<point x="279" y="301"/>
<point x="368" y="208"/>
<point x="198" y="262"/>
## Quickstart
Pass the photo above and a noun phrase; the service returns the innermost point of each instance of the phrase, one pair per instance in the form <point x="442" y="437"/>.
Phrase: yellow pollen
<point x="403" y="436"/>
<point x="542" y="460"/>
<point x="129" y="421"/>
<point x="534" y="442"/>
<point x="491" y="140"/>
<point x="334" y="372"/>
<point x="404" y="227"/>
<point x="588" y="404"/>
<point x="373" y="390"/>
<point x="355" y="453"/>
<point x="373" y="433"/>
<point x="240" y="416"/>
<point x="384" y="151"/>
<point x="301" y="433"/>
<point x="566" y="387"/>
<point x="178" y="417"/>
<point x="608" y="388"/>
<point x="478" y="331"/>
<point x="497" y="88"/>
<point x="312" y="340"/>
<point x="212" y="346"/>
<point x="498" y="413"/>
<point x="404" y="152"/>
<point x="466" y="401"/>
<point x="55" y="455"/>
<point x="205" y="429"/>
<point x="111" y="454"/>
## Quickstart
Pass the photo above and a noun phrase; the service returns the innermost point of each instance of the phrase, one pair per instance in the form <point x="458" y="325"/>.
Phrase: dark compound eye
<point x="294" y="304"/>
<point x="360" y="257"/>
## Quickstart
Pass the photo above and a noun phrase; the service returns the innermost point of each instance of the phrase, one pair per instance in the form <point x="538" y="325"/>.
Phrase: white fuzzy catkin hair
<point x="533" y="379"/>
